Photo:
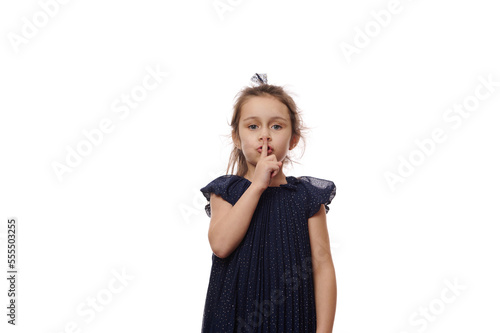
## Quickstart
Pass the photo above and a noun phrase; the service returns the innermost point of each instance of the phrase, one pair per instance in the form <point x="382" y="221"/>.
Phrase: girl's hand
<point x="267" y="167"/>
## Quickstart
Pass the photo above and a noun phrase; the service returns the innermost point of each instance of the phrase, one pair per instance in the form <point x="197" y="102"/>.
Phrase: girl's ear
<point x="236" y="141"/>
<point x="294" y="141"/>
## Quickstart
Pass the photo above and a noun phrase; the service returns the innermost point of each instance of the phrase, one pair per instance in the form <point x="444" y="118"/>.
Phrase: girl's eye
<point x="250" y="126"/>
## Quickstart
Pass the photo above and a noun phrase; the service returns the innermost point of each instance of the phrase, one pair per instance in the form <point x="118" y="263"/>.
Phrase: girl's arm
<point x="229" y="224"/>
<point x="325" y="283"/>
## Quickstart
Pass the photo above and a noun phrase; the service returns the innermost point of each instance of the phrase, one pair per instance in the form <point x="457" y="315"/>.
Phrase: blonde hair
<point x="237" y="158"/>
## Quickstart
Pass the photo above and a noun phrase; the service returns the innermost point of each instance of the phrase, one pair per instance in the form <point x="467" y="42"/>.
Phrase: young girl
<point x="272" y="269"/>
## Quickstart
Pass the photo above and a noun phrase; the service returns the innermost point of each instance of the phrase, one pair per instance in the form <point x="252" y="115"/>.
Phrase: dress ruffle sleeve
<point x="227" y="186"/>
<point x="320" y="191"/>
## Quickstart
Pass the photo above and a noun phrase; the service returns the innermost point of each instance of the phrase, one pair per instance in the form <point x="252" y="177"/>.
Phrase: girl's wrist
<point x="257" y="188"/>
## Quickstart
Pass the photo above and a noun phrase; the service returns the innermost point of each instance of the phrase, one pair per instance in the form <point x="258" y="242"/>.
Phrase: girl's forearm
<point x="228" y="232"/>
<point x="325" y="292"/>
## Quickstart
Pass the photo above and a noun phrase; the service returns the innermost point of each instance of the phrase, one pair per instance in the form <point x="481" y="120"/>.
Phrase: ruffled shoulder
<point x="319" y="191"/>
<point x="229" y="187"/>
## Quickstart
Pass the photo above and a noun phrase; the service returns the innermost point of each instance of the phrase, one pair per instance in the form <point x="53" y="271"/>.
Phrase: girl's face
<point x="264" y="117"/>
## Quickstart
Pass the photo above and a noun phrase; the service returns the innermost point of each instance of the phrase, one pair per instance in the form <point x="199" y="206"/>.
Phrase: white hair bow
<point x="259" y="78"/>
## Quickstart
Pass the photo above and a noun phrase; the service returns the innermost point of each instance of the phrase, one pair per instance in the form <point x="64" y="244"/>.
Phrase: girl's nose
<point x="265" y="137"/>
<point x="265" y="134"/>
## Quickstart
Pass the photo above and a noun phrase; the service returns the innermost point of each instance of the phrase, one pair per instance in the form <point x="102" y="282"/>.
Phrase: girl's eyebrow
<point x="275" y="117"/>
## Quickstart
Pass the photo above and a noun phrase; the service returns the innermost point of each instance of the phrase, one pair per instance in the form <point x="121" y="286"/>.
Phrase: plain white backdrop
<point x="117" y="242"/>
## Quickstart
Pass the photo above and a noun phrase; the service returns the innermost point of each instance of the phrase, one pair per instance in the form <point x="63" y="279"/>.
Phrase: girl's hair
<point x="298" y="128"/>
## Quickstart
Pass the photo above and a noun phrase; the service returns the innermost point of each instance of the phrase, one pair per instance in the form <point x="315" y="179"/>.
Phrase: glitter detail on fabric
<point x="266" y="284"/>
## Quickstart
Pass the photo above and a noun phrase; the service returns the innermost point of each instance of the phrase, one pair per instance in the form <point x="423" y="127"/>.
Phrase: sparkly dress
<point x="266" y="284"/>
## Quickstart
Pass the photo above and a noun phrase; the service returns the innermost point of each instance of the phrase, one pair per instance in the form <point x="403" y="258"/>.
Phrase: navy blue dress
<point x="266" y="283"/>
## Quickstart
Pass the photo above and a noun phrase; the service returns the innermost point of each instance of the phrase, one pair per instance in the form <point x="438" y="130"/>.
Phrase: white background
<point x="133" y="203"/>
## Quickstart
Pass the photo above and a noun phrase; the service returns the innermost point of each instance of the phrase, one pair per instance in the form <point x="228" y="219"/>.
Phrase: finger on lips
<point x="264" y="148"/>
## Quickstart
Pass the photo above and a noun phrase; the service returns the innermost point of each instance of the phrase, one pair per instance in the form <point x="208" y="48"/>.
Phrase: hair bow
<point x="259" y="78"/>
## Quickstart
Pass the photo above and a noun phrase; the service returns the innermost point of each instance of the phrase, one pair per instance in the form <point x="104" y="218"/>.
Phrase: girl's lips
<point x="269" y="150"/>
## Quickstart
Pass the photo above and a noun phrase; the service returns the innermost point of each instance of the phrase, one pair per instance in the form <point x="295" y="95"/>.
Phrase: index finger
<point x="264" y="149"/>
